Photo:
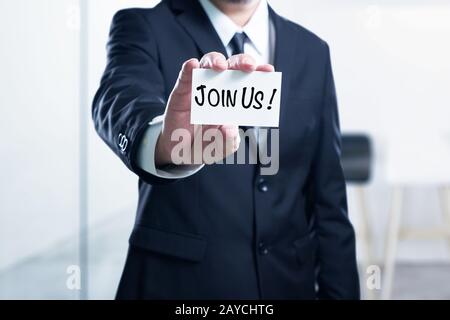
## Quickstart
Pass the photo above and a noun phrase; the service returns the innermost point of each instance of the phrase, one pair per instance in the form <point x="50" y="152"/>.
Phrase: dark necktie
<point x="237" y="43"/>
<point x="237" y="47"/>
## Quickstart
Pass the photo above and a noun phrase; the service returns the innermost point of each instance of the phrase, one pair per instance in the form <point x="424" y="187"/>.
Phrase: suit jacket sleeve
<point x="131" y="91"/>
<point x="337" y="272"/>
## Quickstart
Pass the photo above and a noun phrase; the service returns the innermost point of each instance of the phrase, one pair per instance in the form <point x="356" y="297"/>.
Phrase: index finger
<point x="214" y="60"/>
<point x="243" y="62"/>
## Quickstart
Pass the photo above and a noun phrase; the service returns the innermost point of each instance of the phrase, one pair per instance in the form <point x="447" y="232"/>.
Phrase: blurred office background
<point x="66" y="200"/>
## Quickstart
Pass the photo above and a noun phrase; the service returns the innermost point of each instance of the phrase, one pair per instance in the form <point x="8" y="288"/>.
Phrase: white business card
<point x="236" y="98"/>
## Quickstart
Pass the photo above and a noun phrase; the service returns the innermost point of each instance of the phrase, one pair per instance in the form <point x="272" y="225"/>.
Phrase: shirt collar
<point x="256" y="29"/>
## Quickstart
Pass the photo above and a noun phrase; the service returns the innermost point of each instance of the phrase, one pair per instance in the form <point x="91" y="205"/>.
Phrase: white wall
<point x="39" y="102"/>
<point x="391" y="68"/>
<point x="39" y="126"/>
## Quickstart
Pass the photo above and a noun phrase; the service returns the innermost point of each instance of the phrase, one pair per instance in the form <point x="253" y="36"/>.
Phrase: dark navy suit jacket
<point x="227" y="232"/>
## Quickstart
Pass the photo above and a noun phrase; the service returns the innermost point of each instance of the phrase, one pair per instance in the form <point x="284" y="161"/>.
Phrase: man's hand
<point x="178" y="111"/>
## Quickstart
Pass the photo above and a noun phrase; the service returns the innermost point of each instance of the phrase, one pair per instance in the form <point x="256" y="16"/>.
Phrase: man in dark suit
<point x="226" y="231"/>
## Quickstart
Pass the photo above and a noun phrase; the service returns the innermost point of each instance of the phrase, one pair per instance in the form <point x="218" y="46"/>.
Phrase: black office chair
<point x="356" y="157"/>
<point x="356" y="160"/>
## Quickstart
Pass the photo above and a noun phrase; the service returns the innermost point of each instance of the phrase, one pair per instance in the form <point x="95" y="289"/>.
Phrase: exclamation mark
<point x="271" y="99"/>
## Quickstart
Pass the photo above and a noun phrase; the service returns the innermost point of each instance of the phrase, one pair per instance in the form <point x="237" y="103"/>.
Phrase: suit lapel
<point x="192" y="17"/>
<point x="287" y="56"/>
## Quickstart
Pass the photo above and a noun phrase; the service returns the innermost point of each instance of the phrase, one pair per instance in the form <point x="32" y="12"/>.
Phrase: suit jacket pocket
<point x="179" y="245"/>
<point x="306" y="248"/>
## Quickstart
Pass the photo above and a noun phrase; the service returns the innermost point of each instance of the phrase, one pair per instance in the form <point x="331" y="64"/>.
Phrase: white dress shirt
<point x="260" y="45"/>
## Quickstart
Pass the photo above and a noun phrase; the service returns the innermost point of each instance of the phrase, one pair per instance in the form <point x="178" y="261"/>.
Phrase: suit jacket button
<point x="262" y="185"/>
<point x="263" y="250"/>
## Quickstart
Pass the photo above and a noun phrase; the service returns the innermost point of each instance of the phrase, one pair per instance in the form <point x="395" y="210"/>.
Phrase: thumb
<point x="184" y="81"/>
